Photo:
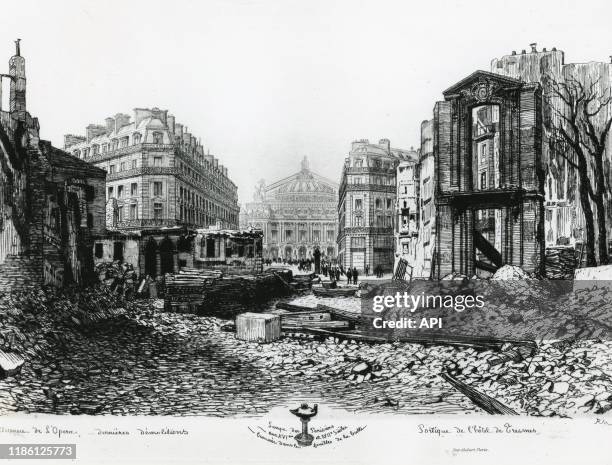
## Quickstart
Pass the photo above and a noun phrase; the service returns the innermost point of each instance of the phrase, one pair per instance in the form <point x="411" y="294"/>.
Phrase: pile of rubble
<point x="120" y="278"/>
<point x="558" y="381"/>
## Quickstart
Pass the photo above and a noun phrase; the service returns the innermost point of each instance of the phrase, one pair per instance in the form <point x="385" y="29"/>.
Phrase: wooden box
<point x="258" y="327"/>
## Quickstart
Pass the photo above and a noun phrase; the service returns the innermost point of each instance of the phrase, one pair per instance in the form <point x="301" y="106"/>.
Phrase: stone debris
<point x="135" y="359"/>
<point x="509" y="272"/>
<point x="10" y="363"/>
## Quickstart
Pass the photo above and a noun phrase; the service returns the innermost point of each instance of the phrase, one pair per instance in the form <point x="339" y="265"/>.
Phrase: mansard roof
<point x="480" y="75"/>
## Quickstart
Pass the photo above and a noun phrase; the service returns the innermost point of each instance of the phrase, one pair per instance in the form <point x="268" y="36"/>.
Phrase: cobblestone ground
<point x="147" y="362"/>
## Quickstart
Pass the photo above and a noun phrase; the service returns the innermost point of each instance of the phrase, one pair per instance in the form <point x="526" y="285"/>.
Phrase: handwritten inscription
<point x="323" y="435"/>
<point x="506" y="428"/>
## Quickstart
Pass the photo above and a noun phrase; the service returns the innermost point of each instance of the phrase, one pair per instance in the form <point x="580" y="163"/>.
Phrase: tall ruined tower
<point x="17" y="102"/>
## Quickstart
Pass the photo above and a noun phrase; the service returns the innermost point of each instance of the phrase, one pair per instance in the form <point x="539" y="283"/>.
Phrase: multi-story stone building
<point x="564" y="218"/>
<point x="367" y="205"/>
<point x="407" y="210"/>
<point x="297" y="215"/>
<point x="50" y="203"/>
<point x="158" y="173"/>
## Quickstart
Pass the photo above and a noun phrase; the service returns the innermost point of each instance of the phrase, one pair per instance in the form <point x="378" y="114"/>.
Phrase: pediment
<point x="481" y="84"/>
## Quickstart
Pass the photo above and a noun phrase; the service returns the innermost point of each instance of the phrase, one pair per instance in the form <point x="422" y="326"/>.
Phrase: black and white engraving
<point x="460" y="269"/>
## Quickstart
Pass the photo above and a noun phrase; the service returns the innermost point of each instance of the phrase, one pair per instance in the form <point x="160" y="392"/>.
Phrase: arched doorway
<point x="184" y="244"/>
<point x="151" y="257"/>
<point x="273" y="253"/>
<point x="330" y="252"/>
<point x="166" y="254"/>
<point x="288" y="252"/>
<point x="302" y="252"/>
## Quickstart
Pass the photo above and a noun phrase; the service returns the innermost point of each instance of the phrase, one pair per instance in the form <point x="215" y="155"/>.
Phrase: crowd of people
<point x="303" y="264"/>
<point x="333" y="271"/>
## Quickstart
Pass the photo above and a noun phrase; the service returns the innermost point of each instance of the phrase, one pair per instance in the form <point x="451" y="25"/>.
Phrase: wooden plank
<point x="294" y="307"/>
<point x="485" y="402"/>
<point x="297" y="325"/>
<point x="343" y="314"/>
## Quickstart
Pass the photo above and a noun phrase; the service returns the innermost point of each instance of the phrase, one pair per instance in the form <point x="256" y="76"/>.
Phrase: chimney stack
<point x="94" y="130"/>
<point x="110" y="124"/>
<point x="71" y="139"/>
<point x="121" y="120"/>
<point x="170" y="123"/>
<point x="533" y="46"/>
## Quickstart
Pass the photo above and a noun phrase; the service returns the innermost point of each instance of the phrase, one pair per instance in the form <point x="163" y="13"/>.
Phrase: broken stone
<point x="361" y="368"/>
<point x="10" y="363"/>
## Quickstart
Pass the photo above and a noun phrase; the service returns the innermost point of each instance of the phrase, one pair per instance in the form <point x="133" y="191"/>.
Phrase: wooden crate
<point x="258" y="327"/>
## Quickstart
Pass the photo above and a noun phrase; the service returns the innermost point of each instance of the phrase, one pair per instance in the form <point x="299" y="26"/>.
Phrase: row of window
<point x="303" y="235"/>
<point x="133" y="164"/>
<point x="376" y="180"/>
<point x="374" y="162"/>
<point x="158" y="190"/>
<point x="115" y="144"/>
<point x="188" y="196"/>
<point x="193" y="174"/>
<point x="380" y="221"/>
<point x="378" y="203"/>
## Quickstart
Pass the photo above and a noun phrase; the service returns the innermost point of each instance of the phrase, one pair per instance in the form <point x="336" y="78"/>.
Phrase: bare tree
<point x="579" y="133"/>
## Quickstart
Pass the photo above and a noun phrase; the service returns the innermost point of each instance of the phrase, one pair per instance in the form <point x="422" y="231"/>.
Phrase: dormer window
<point x="114" y="144"/>
<point x="124" y="141"/>
<point x="95" y="149"/>
<point x="136" y="138"/>
<point x="158" y="138"/>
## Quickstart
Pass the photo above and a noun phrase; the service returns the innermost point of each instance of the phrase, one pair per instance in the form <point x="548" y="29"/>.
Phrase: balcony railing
<point x="152" y="223"/>
<point x="369" y="187"/>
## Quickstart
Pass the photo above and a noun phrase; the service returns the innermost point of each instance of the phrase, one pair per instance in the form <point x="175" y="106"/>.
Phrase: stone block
<point x="258" y="327"/>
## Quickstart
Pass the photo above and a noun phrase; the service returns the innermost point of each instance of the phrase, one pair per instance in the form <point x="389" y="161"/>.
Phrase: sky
<point x="265" y="83"/>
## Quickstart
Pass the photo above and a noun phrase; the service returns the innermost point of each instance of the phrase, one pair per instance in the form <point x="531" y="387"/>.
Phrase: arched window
<point x="95" y="149"/>
<point x="136" y="138"/>
<point x="77" y="153"/>
<point x="114" y="144"/>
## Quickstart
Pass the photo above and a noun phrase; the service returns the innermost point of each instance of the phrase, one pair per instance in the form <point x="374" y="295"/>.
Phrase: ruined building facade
<point x="50" y="203"/>
<point x="489" y="176"/>
<point x="367" y="205"/>
<point x="158" y="173"/>
<point x="297" y="215"/>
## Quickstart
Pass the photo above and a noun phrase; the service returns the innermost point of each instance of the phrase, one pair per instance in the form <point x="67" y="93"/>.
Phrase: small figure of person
<point x="349" y="275"/>
<point x="337" y="274"/>
<point x="367" y="270"/>
<point x="355" y="275"/>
